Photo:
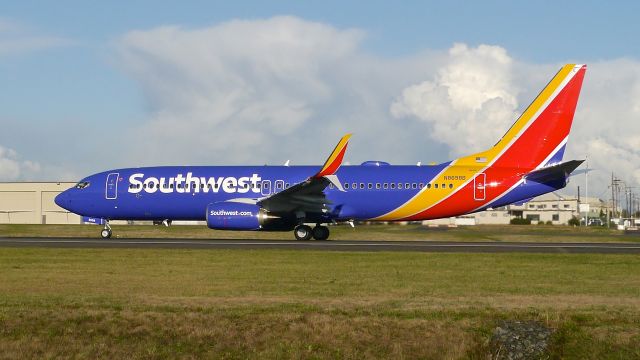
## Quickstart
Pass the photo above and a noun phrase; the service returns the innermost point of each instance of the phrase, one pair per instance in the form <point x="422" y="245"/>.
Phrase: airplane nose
<point x="62" y="200"/>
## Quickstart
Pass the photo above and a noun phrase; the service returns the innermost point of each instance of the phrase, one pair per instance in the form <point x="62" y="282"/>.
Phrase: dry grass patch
<point x="122" y="303"/>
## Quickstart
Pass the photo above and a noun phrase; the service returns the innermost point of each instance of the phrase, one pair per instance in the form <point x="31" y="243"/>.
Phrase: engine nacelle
<point x="239" y="216"/>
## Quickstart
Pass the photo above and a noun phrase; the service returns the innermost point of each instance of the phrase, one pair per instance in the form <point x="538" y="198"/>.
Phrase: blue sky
<point x="75" y="75"/>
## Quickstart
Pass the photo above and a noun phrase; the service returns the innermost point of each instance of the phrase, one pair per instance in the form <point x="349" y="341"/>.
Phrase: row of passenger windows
<point x="393" y="186"/>
<point x="280" y="185"/>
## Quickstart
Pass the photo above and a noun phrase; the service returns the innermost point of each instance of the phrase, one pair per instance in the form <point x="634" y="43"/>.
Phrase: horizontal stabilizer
<point x="555" y="172"/>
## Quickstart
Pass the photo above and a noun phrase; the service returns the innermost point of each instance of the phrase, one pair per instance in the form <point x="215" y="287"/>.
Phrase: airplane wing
<point x="308" y="196"/>
<point x="555" y="172"/>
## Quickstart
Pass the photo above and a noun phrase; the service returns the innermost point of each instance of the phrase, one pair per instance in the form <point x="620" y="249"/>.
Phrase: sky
<point x="89" y="86"/>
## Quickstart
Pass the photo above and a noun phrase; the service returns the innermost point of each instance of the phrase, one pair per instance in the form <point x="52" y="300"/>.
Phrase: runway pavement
<point x="331" y="245"/>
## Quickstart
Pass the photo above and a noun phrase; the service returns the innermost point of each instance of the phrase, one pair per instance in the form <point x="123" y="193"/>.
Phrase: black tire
<point x="105" y="233"/>
<point x="302" y="232"/>
<point x="321" y="232"/>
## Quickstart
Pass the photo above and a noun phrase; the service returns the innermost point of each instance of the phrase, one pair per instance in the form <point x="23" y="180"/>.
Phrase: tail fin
<point x="540" y="134"/>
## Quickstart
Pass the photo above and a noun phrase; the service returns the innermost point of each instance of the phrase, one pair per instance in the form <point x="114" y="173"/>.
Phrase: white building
<point x="553" y="207"/>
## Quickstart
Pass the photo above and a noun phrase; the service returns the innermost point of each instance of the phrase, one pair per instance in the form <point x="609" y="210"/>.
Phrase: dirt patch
<point x="520" y="340"/>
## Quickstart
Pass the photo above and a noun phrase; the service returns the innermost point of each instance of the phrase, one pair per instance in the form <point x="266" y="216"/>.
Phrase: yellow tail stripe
<point x="332" y="158"/>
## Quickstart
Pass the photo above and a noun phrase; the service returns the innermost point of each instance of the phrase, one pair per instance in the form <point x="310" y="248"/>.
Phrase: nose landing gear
<point x="106" y="232"/>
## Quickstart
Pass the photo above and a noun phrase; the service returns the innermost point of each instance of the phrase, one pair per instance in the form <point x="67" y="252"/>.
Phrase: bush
<point x="520" y="221"/>
<point x="549" y="222"/>
<point x="574" y="221"/>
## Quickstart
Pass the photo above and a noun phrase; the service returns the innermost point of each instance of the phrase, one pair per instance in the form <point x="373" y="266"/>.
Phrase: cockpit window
<point x="82" y="185"/>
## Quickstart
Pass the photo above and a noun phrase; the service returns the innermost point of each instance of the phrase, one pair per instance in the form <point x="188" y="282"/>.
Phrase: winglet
<point x="335" y="159"/>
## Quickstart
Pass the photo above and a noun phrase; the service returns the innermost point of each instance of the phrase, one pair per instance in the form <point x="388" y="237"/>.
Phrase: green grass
<point x="524" y="233"/>
<point x="122" y="303"/>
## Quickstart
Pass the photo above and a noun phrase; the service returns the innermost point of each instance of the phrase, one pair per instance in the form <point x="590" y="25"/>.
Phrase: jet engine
<point x="240" y="216"/>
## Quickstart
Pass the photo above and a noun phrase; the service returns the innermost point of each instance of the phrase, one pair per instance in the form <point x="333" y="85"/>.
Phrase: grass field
<point x="133" y="303"/>
<point x="525" y="233"/>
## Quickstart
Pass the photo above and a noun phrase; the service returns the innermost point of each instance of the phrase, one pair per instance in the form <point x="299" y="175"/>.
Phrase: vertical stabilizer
<point x="540" y="134"/>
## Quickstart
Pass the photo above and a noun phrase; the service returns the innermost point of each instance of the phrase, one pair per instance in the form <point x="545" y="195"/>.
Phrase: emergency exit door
<point x="479" y="183"/>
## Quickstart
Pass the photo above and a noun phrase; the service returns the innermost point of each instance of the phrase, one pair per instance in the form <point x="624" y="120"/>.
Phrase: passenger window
<point x="450" y="186"/>
<point x="393" y="185"/>
<point x="361" y="185"/>
<point x="399" y="185"/>
<point x="435" y="186"/>
<point x="346" y="185"/>
<point x="420" y="186"/>
<point x="429" y="186"/>
<point x="369" y="186"/>
<point x="286" y="186"/>
<point x="444" y="186"/>
<point x="354" y="186"/>
<point x="414" y="186"/>
<point x="331" y="186"/>
<point x="385" y="186"/>
<point x="407" y="186"/>
<point x="378" y="186"/>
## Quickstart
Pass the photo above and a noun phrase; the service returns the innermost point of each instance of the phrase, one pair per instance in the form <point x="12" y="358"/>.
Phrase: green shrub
<point x="520" y="221"/>
<point x="549" y="222"/>
<point x="574" y="221"/>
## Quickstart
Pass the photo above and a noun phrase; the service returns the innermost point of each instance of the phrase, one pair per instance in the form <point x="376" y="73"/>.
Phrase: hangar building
<point x="32" y="203"/>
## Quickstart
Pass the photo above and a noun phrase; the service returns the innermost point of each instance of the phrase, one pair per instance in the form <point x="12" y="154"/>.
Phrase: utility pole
<point x="586" y="194"/>
<point x="613" y="199"/>
<point x="579" y="213"/>
<point x="615" y="196"/>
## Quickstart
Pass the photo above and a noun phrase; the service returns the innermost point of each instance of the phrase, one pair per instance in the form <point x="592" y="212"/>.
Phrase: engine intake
<point x="240" y="216"/>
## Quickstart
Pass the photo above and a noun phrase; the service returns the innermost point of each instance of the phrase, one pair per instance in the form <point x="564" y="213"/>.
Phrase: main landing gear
<point x="305" y="232"/>
<point x="106" y="232"/>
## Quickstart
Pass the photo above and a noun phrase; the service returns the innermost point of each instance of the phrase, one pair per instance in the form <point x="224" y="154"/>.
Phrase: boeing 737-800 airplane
<point x="524" y="163"/>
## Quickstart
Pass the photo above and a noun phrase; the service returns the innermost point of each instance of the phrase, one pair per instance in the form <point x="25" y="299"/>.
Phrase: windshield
<point x="82" y="185"/>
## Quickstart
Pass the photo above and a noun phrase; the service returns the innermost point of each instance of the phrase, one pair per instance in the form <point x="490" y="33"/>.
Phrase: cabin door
<point x="111" y="191"/>
<point x="479" y="184"/>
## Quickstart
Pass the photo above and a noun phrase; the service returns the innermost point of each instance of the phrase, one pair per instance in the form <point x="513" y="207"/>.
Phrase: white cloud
<point x="247" y="92"/>
<point x="470" y="102"/>
<point x="12" y="168"/>
<point x="606" y="129"/>
<point x="254" y="91"/>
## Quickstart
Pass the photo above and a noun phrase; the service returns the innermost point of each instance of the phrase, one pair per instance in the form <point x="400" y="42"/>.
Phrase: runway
<point x="331" y="245"/>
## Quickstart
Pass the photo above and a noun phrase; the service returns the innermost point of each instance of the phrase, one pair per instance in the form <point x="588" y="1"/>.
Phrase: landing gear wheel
<point x="321" y="232"/>
<point x="302" y="232"/>
<point x="105" y="233"/>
